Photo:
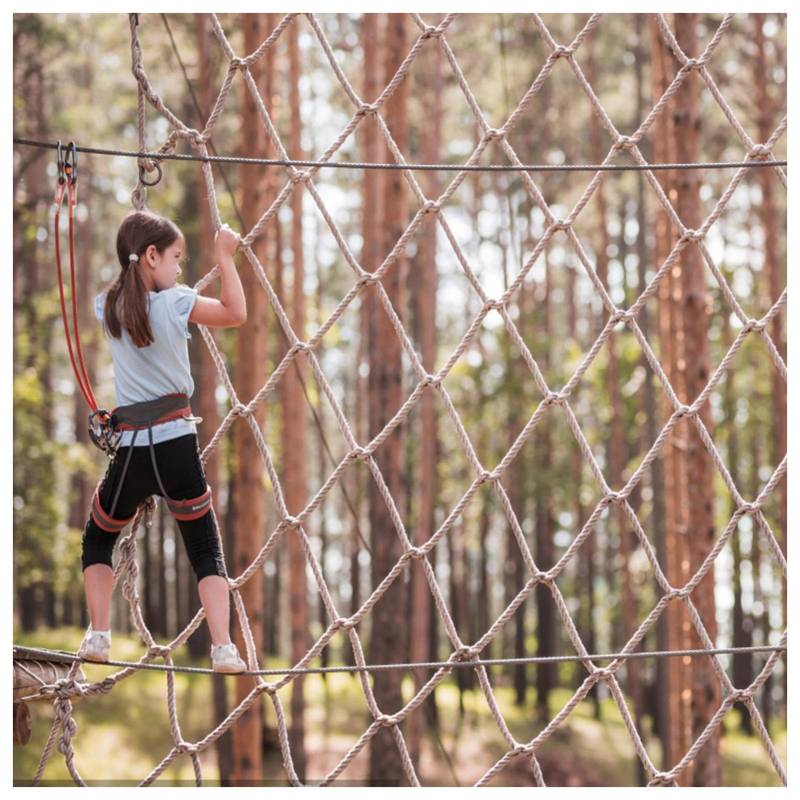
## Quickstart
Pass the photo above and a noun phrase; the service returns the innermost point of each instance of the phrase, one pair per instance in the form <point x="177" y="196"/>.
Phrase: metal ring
<point x="150" y="183"/>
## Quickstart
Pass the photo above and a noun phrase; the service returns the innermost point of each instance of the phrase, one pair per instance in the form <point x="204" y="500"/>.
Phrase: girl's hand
<point x="226" y="241"/>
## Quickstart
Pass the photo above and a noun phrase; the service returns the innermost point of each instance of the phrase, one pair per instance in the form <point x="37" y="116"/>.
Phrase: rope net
<point x="64" y="727"/>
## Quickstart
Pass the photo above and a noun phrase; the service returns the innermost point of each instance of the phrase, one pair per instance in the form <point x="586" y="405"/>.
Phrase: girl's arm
<point x="230" y="310"/>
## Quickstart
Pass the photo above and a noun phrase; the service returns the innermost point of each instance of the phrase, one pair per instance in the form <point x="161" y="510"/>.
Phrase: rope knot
<point x="620" y="315"/>
<point x="562" y="51"/>
<point x="158" y="651"/>
<point x="625" y="142"/>
<point x="758" y="151"/>
<point x="431" y="206"/>
<point x="612" y="498"/>
<point x="493" y="133"/>
<point x="430" y="31"/>
<point x="385" y="720"/>
<point x="301" y="347"/>
<point x="691" y="235"/>
<point x="685" y="411"/>
<point x="552" y="398"/>
<point x="432" y="380"/>
<point x="366" y="279"/>
<point x="66" y="688"/>
<point x="358" y="452"/>
<point x="465" y="653"/>
<point x="485" y="476"/>
<point x="692" y="63"/>
<point x="291" y="521"/>
<point x="239" y="63"/>
<point x="754" y="325"/>
<point x="415" y="552"/>
<point x="602" y="674"/>
<point x="560" y="224"/>
<point x="342" y="623"/>
<point x="239" y="410"/>
<point x="739" y="695"/>
<point x="749" y="508"/>
<point x="661" y="779"/>
<point x="186" y="747"/>
<point x="367" y="108"/>
<point x="495" y="305"/>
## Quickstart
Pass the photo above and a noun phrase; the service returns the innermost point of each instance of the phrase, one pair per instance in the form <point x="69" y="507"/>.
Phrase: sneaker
<point x="95" y="646"/>
<point x="225" y="658"/>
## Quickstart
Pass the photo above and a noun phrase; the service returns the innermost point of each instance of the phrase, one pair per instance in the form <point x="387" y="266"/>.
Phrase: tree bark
<point x="675" y="716"/>
<point x="386" y="396"/>
<point x="251" y="357"/>
<point x="424" y="289"/>
<point x="706" y="692"/>
<point x="295" y="431"/>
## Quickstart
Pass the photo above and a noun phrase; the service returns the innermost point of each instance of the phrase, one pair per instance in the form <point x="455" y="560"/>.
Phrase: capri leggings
<point x="181" y="472"/>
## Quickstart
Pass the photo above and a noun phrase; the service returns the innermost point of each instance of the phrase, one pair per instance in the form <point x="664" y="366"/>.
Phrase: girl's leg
<point x="184" y="477"/>
<point x="98" y="580"/>
<point x="98" y="544"/>
<point x="215" y="597"/>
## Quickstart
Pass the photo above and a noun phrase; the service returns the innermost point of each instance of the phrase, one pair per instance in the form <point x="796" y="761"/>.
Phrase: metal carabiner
<point x="60" y="163"/>
<point x="71" y="163"/>
<point x="102" y="432"/>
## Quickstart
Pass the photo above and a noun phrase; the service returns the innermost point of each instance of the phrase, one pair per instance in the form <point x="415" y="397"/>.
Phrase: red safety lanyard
<point x="67" y="185"/>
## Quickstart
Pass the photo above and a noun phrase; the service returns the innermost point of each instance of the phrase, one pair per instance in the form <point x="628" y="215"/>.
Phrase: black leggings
<point x="182" y="475"/>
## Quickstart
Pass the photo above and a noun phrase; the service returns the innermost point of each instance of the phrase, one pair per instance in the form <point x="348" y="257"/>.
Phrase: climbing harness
<point x="136" y="417"/>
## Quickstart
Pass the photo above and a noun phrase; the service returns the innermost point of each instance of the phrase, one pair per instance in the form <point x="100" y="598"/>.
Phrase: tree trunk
<point x="706" y="693"/>
<point x="205" y="404"/>
<point x="424" y="289"/>
<point x="386" y="396"/>
<point x="675" y="717"/>
<point x="251" y="357"/>
<point x="295" y="431"/>
<point x="774" y="280"/>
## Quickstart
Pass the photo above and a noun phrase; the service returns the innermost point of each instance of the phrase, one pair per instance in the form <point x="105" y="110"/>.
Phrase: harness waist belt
<point x="137" y="416"/>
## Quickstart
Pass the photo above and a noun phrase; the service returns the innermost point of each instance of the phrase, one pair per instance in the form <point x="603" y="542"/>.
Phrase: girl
<point x="145" y="315"/>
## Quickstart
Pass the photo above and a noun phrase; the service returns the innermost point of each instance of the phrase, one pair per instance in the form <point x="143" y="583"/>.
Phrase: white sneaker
<point x="225" y="658"/>
<point x="96" y="645"/>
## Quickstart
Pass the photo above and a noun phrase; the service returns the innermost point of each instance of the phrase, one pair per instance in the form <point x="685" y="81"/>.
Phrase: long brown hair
<point x="126" y="298"/>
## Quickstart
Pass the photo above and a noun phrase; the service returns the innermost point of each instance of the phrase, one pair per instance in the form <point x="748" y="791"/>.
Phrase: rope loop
<point x="562" y="51"/>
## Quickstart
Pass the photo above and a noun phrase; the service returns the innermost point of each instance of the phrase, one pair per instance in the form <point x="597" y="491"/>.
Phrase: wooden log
<point x="29" y="674"/>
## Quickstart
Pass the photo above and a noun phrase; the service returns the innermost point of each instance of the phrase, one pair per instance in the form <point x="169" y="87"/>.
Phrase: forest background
<point x="72" y="81"/>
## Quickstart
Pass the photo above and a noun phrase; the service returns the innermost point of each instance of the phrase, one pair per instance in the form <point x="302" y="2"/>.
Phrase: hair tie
<point x="133" y="257"/>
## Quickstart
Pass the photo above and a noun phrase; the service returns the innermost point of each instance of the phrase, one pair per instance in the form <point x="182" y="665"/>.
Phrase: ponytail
<point x="127" y="298"/>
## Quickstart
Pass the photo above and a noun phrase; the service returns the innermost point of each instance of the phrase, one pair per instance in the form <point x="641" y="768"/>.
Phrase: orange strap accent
<point x="103" y="520"/>
<point x="190" y="509"/>
<point x="181" y="412"/>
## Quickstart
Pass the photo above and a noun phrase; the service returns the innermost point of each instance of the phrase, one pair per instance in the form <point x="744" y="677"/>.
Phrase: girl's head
<point x="149" y="248"/>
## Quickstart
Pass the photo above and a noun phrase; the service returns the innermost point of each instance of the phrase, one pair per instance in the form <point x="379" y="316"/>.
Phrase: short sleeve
<point x="99" y="306"/>
<point x="182" y="304"/>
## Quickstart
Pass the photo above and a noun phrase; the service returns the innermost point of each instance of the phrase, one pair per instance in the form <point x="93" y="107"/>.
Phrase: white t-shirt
<point x="145" y="373"/>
